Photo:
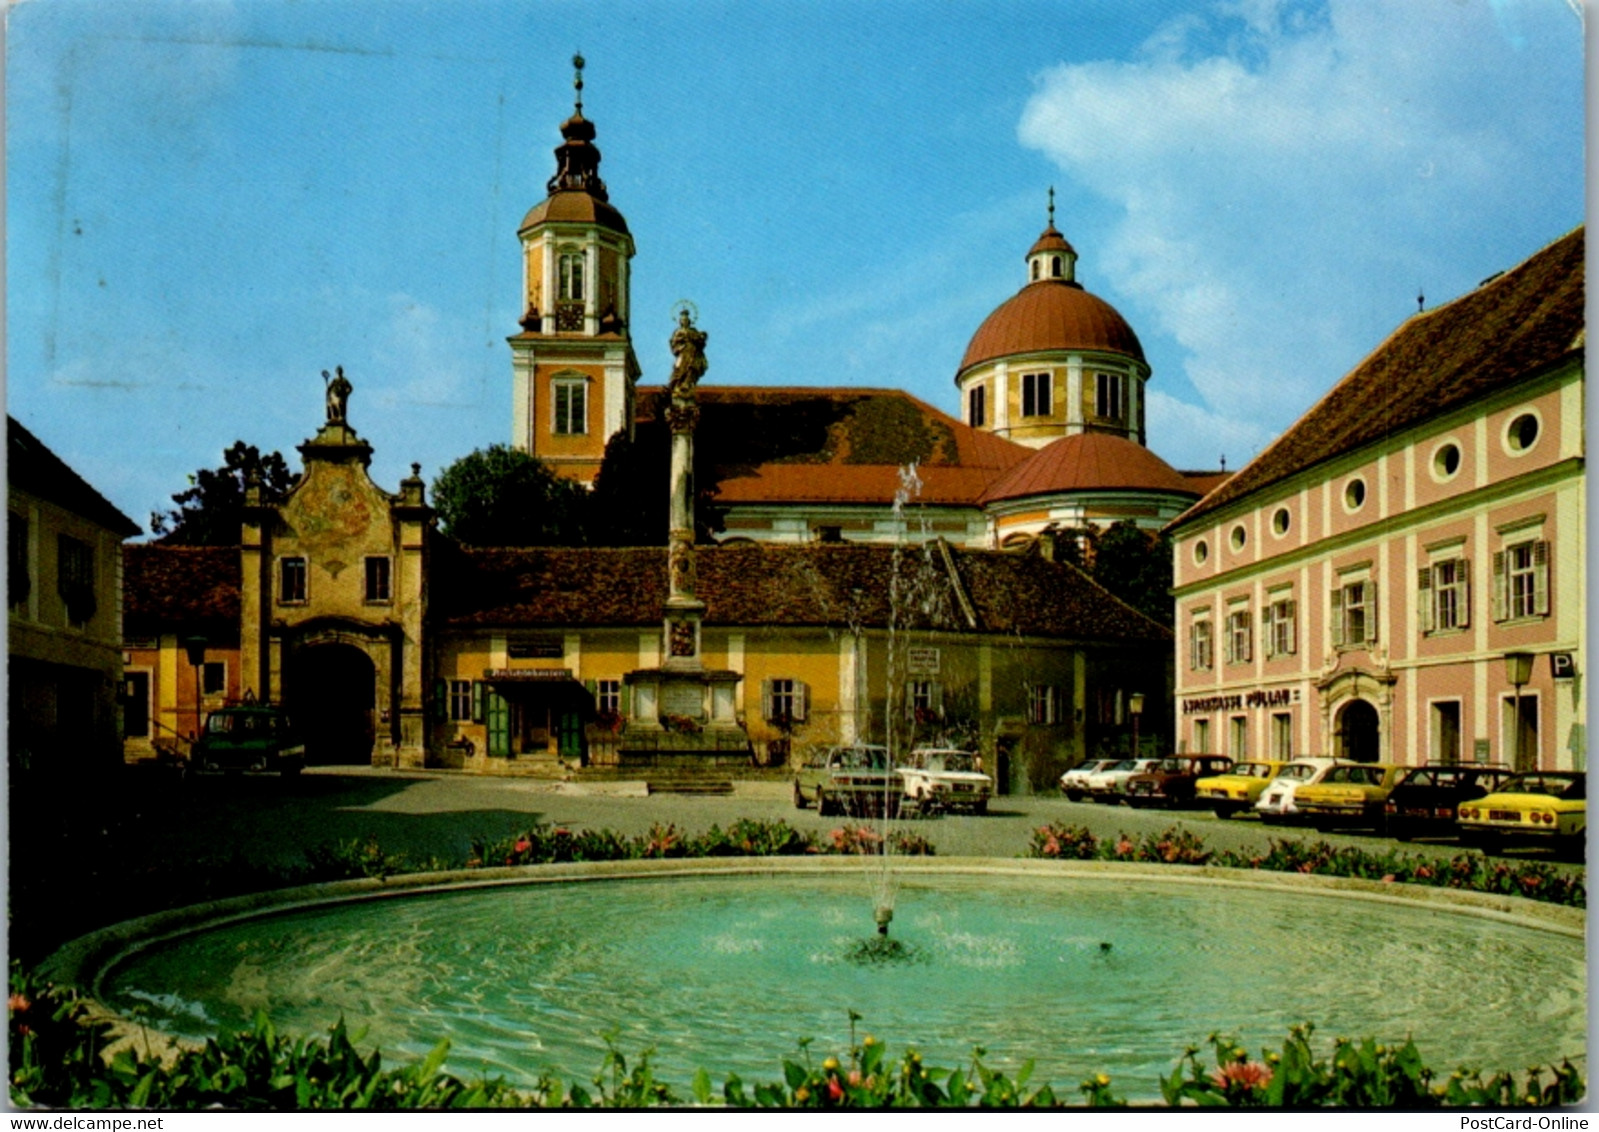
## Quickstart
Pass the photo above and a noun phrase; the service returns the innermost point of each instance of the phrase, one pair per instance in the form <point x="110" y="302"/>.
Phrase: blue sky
<point x="211" y="201"/>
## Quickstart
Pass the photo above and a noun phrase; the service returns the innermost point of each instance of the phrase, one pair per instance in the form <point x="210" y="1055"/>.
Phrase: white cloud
<point x="1288" y="174"/>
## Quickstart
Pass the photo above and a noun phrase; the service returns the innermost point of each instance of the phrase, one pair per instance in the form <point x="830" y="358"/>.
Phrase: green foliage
<point x="346" y="860"/>
<point x="502" y="496"/>
<point x="1136" y="566"/>
<point x="1532" y="879"/>
<point x="1357" y="1074"/>
<point x="211" y="511"/>
<point x="540" y="844"/>
<point x="58" y="1060"/>
<point x="628" y="505"/>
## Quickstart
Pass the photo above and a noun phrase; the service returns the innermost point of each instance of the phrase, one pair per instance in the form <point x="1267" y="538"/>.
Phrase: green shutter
<point x="498" y="715"/>
<point x="477" y="701"/>
<point x="441" y="700"/>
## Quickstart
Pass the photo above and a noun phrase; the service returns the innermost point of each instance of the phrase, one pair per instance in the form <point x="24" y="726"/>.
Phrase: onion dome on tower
<point x="573" y="366"/>
<point x="1054" y="359"/>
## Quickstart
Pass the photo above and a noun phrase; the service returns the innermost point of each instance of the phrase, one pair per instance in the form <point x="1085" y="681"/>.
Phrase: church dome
<point x="1089" y="461"/>
<point x="1051" y="314"/>
<point x="576" y="206"/>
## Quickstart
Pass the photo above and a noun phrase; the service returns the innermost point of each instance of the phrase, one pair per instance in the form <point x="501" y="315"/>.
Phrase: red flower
<point x="1123" y="847"/>
<point x="835" y="1091"/>
<point x="523" y="845"/>
<point x="18" y="1003"/>
<point x="1243" y="1075"/>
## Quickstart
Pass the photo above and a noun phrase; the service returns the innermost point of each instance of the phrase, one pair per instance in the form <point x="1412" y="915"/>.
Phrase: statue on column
<point x="338" y="393"/>
<point x="688" y="347"/>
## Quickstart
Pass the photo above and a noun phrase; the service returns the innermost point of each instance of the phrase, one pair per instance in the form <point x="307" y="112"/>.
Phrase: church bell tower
<point x="573" y="367"/>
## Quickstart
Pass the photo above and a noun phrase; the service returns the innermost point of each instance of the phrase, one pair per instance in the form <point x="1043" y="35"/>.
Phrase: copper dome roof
<point x="1050" y="241"/>
<point x="574" y="206"/>
<point x="1089" y="461"/>
<point x="1051" y="314"/>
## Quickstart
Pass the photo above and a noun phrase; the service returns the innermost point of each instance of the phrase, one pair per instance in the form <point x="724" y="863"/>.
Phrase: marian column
<point x="683" y="609"/>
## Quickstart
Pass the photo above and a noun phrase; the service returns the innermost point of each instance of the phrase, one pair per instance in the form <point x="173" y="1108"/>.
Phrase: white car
<point x="1074" y="783"/>
<point x="1110" y="784"/>
<point x="1276" y="802"/>
<point x="946" y="779"/>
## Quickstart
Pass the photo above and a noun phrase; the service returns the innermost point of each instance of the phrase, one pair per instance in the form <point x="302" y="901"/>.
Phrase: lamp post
<point x="1518" y="670"/>
<point x="1135" y="708"/>
<point x="195" y="647"/>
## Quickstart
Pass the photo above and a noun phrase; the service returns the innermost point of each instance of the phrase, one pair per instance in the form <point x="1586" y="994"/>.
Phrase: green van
<point x="250" y="737"/>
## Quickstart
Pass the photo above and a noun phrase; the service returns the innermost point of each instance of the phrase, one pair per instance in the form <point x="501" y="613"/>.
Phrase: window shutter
<point x="593" y="687"/>
<point x="626" y="701"/>
<point x="937" y="697"/>
<point x="1338" y="617"/>
<point x="1424" y="614"/>
<point x="1499" y="585"/>
<point x="802" y="700"/>
<point x="477" y="701"/>
<point x="1248" y="638"/>
<point x="1463" y="592"/>
<point x="441" y="700"/>
<point x="1540" y="578"/>
<point x="1368" y="598"/>
<point x="499" y="720"/>
<point x="1268" y="622"/>
<point x="908" y="700"/>
<point x="1291" y="612"/>
<point x="766" y="701"/>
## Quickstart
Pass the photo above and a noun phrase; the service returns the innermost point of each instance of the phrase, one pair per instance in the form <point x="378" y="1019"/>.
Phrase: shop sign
<point x="1239" y="701"/>
<point x="503" y="675"/>
<point x="921" y="661"/>
<point x="1562" y="665"/>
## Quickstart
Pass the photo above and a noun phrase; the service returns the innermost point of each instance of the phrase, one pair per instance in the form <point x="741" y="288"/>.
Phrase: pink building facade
<point x="1356" y="590"/>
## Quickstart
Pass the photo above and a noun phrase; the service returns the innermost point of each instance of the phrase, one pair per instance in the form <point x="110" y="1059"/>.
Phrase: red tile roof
<point x="1051" y="314"/>
<point x="168" y="589"/>
<point x="833" y="585"/>
<point x="842" y="445"/>
<point x="1089" y="461"/>
<point x="1515" y="326"/>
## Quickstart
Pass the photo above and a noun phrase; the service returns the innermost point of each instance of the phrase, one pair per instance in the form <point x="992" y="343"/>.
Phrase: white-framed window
<point x="977" y="406"/>
<point x="1201" y="649"/>
<point x="1521" y="580"/>
<point x="460" y="700"/>
<point x="1445" y="732"/>
<point x="291" y="580"/>
<point x="1354" y="614"/>
<point x="377" y="578"/>
<point x="1282" y="736"/>
<point x="924" y="699"/>
<point x="608" y="696"/>
<point x="1109" y="402"/>
<point x="784" y="700"/>
<point x="1240" y="633"/>
<point x="1443" y="595"/>
<point x="569" y="415"/>
<point x="571" y="269"/>
<point x="1045" y="704"/>
<point x="1279" y="627"/>
<point x="1202" y="737"/>
<point x="1238" y="737"/>
<point x="1036" y="388"/>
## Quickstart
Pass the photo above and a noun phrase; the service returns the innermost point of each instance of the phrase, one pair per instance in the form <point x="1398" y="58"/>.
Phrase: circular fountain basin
<point x="728" y="965"/>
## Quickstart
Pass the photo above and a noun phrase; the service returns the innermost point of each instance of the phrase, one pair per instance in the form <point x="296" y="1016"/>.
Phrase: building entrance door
<point x="1357" y="732"/>
<point x="331" y="694"/>
<point x="136" y="706"/>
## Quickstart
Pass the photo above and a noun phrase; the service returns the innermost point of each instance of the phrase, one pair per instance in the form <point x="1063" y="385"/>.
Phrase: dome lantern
<point x="1051" y="256"/>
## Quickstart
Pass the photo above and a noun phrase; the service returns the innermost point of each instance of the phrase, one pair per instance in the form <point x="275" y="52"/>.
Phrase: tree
<point x="1135" y="565"/>
<point x="630" y="503"/>
<point x="211" y="511"/>
<point x="502" y="496"/>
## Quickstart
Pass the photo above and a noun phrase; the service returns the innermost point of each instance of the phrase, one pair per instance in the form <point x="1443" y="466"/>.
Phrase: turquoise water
<point x="730" y="973"/>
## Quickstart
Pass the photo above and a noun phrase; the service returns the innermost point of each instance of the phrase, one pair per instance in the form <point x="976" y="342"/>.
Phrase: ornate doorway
<point x="1357" y="732"/>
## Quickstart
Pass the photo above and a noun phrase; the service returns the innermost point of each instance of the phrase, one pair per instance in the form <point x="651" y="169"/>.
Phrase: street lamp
<point x="195" y="647"/>
<point x="1135" y="708"/>
<point x="1518" y="670"/>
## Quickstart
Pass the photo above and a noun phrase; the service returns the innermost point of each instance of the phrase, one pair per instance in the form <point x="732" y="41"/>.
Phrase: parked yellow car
<point x="1549" y="806"/>
<point x="1349" y="796"/>
<point x="1238" y="789"/>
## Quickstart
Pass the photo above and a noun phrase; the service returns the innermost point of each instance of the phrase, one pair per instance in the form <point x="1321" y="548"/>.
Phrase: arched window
<point x="572" y="276"/>
<point x="1054" y="266"/>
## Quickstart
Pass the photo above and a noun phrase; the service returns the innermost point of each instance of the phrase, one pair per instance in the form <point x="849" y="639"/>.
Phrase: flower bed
<point x="1474" y="873"/>
<point x="57" y="1060"/>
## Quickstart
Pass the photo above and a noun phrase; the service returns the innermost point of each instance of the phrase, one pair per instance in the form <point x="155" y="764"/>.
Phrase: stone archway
<point x="331" y="693"/>
<point x="1357" y="732"/>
